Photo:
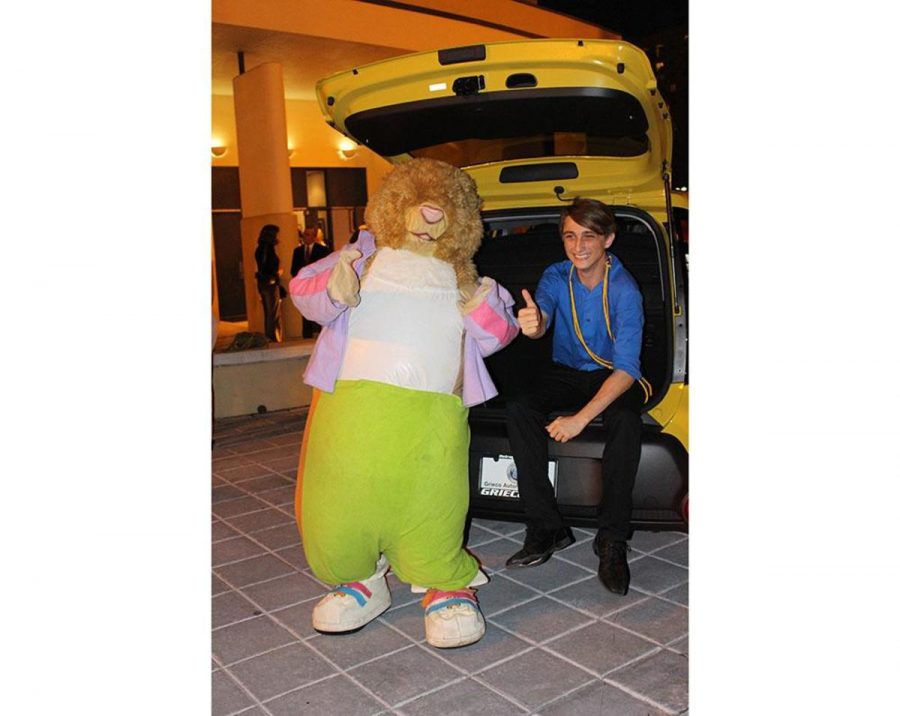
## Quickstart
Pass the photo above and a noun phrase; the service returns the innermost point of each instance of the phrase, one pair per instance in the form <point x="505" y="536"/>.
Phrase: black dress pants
<point x="568" y="390"/>
<point x="271" y="301"/>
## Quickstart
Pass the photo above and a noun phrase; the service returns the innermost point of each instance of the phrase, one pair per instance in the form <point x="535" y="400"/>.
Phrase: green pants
<point x="385" y="469"/>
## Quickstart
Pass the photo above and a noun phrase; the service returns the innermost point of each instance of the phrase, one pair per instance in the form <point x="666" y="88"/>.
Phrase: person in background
<point x="308" y="252"/>
<point x="268" y="273"/>
<point x="595" y="309"/>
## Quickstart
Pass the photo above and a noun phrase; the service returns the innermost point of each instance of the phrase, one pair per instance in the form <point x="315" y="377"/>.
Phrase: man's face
<point x="584" y="247"/>
<point x="309" y="236"/>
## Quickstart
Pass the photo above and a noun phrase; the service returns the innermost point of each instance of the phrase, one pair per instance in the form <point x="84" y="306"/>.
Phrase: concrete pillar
<point x="265" y="180"/>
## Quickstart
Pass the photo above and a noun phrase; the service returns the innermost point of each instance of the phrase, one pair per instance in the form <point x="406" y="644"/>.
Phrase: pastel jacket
<point x="486" y="329"/>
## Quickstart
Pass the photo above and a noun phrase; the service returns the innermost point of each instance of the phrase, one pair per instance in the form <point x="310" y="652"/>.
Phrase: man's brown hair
<point x="590" y="213"/>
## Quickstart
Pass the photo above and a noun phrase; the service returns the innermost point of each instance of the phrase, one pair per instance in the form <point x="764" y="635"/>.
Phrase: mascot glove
<point x="343" y="283"/>
<point x="472" y="296"/>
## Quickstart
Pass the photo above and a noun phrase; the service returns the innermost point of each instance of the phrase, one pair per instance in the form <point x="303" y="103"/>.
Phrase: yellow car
<point x="537" y="123"/>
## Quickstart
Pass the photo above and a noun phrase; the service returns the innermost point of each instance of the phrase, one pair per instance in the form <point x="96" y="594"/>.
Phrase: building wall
<point x="314" y="143"/>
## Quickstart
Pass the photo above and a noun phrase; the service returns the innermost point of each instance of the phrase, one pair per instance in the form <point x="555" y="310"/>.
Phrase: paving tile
<point x="348" y="650"/>
<point x="279" y="452"/>
<point x="257" y="485"/>
<point x="400" y="592"/>
<point x="233" y="550"/>
<point x="244" y="639"/>
<point x="227" y="696"/>
<point x="600" y="698"/>
<point x="409" y="619"/>
<point x="286" y="466"/>
<point x="496" y="645"/>
<point x="298" y="618"/>
<point x="462" y="699"/>
<point x="502" y="593"/>
<point x="540" y="619"/>
<point x="654" y="618"/>
<point x="591" y="595"/>
<point x="282" y="670"/>
<point x="680" y="645"/>
<point x="600" y="647"/>
<point x="277" y="537"/>
<point x="231" y="607"/>
<point x="280" y="497"/>
<point x="478" y="535"/>
<point x="250" y="446"/>
<point x="292" y="437"/>
<point x="678" y="553"/>
<point x="493" y="554"/>
<point x="238" y="473"/>
<point x="226" y="491"/>
<point x="404" y="674"/>
<point x="256" y="521"/>
<point x="284" y="591"/>
<point x="653" y="576"/>
<point x="502" y="527"/>
<point x="238" y="506"/>
<point x="336" y="694"/>
<point x="220" y="464"/>
<point x="218" y="586"/>
<point x="255" y="569"/>
<point x="582" y="554"/>
<point x="646" y="541"/>
<point x="662" y="677"/>
<point x="677" y="594"/>
<point x="222" y="531"/>
<point x="534" y="678"/>
<point x="292" y="555"/>
<point x="550" y="575"/>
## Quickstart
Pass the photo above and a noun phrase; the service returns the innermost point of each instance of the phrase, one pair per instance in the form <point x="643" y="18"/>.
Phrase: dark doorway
<point x="229" y="265"/>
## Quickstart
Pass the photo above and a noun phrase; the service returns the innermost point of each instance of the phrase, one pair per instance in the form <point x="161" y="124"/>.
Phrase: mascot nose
<point x="431" y="214"/>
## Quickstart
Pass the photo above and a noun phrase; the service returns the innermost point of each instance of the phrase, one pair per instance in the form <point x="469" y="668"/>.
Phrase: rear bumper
<point x="659" y="491"/>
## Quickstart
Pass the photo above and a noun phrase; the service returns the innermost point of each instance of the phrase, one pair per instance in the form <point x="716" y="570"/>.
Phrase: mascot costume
<point x="383" y="475"/>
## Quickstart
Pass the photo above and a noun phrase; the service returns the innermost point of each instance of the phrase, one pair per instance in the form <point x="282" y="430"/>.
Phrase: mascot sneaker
<point x="349" y="607"/>
<point x="452" y="618"/>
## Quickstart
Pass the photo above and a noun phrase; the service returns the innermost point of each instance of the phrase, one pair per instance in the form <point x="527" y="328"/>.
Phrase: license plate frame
<point x="497" y="477"/>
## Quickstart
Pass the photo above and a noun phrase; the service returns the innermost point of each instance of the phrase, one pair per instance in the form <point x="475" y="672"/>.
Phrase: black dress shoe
<point x="539" y="545"/>
<point x="613" y="570"/>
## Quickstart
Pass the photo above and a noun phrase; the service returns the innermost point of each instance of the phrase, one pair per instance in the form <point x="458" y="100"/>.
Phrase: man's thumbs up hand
<point x="530" y="318"/>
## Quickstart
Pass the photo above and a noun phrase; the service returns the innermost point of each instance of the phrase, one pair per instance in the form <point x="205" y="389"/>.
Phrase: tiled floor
<point x="556" y="641"/>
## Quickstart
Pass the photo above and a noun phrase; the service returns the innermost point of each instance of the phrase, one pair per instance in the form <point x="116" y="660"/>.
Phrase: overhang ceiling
<point x="305" y="59"/>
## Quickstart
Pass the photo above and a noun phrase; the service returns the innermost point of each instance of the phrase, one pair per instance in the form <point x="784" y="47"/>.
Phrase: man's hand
<point x="530" y="318"/>
<point x="343" y="283"/>
<point x="566" y="427"/>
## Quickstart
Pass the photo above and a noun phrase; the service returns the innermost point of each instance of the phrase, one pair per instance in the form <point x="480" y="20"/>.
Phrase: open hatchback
<point x="537" y="123"/>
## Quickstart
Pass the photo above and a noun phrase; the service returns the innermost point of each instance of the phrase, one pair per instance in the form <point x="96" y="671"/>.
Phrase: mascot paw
<point x="349" y="607"/>
<point x="452" y="618"/>
<point x="471" y="296"/>
<point x="343" y="283"/>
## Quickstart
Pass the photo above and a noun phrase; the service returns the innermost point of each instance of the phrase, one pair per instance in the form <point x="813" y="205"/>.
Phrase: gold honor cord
<point x="645" y="386"/>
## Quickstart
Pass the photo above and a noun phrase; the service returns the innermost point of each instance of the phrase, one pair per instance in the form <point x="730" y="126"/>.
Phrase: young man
<point x="594" y="306"/>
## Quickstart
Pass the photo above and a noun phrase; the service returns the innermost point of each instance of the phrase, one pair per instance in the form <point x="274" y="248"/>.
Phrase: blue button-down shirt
<point x="626" y="316"/>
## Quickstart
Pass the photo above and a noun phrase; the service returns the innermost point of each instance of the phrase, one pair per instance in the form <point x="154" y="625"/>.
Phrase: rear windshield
<point x="499" y="126"/>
